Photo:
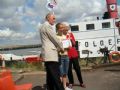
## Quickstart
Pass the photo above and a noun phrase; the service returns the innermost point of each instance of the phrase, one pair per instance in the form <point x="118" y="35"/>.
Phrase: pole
<point x="114" y="34"/>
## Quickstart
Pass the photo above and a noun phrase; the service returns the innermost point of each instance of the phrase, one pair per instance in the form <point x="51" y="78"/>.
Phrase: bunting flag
<point x="51" y="4"/>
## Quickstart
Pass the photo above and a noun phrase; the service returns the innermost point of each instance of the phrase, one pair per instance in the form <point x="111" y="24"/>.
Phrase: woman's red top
<point x="72" y="52"/>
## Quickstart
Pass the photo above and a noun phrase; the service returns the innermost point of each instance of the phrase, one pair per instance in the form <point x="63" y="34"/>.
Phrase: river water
<point x="23" y="52"/>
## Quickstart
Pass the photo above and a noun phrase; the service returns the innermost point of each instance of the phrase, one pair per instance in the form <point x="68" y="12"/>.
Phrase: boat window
<point x="85" y="51"/>
<point x="74" y="28"/>
<point x="106" y="25"/>
<point x="118" y="48"/>
<point x="90" y="26"/>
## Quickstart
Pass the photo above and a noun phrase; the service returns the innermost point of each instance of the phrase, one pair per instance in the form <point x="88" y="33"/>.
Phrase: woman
<point x="63" y="56"/>
<point x="74" y="59"/>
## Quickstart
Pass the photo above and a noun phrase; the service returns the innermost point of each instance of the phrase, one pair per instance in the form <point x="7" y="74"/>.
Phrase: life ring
<point x="114" y="56"/>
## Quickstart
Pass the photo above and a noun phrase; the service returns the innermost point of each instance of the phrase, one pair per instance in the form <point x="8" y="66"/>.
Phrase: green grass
<point x="92" y="61"/>
<point x="38" y="66"/>
<point x="17" y="65"/>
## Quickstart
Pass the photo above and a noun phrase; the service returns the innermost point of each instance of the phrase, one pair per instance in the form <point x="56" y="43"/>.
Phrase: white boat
<point x="96" y="34"/>
<point x="93" y="35"/>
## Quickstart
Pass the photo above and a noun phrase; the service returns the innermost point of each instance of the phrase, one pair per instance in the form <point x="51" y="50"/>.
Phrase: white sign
<point x="66" y="43"/>
<point x="94" y="45"/>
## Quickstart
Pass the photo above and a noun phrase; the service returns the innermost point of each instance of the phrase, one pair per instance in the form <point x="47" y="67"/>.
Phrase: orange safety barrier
<point x="5" y="72"/>
<point x="6" y="83"/>
<point x="1" y="84"/>
<point x="114" y="56"/>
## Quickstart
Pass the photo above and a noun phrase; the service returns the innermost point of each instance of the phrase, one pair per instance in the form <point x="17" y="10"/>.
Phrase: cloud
<point x="8" y="7"/>
<point x="9" y="18"/>
<point x="11" y="37"/>
<point x="20" y="19"/>
<point x="73" y="11"/>
<point x="5" y="33"/>
<point x="13" y="23"/>
<point x="10" y="34"/>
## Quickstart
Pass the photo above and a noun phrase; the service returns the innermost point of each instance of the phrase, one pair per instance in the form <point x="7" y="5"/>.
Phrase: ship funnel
<point x="112" y="8"/>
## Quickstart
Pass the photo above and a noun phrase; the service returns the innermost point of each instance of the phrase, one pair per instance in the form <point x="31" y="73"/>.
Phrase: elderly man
<point x="50" y="47"/>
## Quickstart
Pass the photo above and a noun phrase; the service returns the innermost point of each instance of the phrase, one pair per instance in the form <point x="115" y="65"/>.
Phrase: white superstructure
<point x="93" y="35"/>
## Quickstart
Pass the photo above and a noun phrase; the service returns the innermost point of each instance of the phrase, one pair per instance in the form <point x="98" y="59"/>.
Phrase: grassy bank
<point x="25" y="66"/>
<point x="39" y="66"/>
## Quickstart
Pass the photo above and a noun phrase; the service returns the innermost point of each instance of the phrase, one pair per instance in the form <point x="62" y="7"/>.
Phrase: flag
<point x="51" y="4"/>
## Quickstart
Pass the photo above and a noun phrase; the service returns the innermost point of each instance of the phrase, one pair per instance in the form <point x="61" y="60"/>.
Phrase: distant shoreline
<point x="20" y="47"/>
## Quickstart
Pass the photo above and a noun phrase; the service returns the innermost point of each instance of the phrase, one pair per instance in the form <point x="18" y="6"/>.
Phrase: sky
<point x="20" y="19"/>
